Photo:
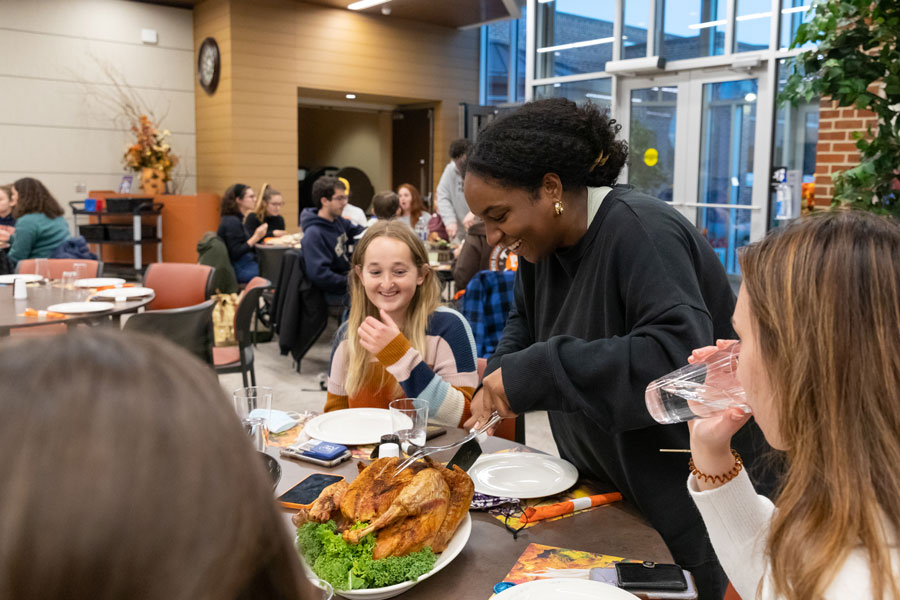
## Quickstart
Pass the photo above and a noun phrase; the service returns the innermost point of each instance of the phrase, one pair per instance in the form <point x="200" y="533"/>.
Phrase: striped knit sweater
<point x="446" y="376"/>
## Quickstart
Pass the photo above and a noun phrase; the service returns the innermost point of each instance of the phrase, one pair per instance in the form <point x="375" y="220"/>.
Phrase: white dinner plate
<point x="564" y="589"/>
<point x="351" y="426"/>
<point x="80" y="308"/>
<point x="457" y="543"/>
<point x="134" y="292"/>
<point x="95" y="282"/>
<point x="27" y="277"/>
<point x="522" y="475"/>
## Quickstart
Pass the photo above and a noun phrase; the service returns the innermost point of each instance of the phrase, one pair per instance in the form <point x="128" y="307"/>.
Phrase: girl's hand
<point x="258" y="234"/>
<point x="491" y="397"/>
<point x="374" y="335"/>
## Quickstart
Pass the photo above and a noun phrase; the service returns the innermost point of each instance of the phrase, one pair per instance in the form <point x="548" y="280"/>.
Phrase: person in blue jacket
<point x="328" y="240"/>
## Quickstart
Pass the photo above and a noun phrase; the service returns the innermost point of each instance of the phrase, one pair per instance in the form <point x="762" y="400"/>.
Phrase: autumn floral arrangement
<point x="150" y="149"/>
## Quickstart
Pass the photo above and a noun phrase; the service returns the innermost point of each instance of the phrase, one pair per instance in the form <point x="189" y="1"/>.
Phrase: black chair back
<point x="243" y="315"/>
<point x="190" y="327"/>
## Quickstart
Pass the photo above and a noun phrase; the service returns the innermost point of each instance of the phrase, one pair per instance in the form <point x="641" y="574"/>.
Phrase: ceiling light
<point x="363" y="4"/>
<point x="795" y="9"/>
<point x="707" y="24"/>
<point x="585" y="43"/>
<point x="753" y="16"/>
<point x="350" y="96"/>
<point x="749" y="97"/>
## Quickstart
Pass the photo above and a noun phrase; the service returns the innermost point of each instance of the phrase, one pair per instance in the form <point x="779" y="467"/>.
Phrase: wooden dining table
<point x="43" y="295"/>
<point x="616" y="529"/>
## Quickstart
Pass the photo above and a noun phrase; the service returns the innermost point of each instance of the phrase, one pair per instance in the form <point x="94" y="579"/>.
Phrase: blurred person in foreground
<point x="817" y="316"/>
<point x="126" y="474"/>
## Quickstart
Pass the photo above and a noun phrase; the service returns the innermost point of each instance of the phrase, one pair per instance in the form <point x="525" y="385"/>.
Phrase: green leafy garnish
<point x="351" y="566"/>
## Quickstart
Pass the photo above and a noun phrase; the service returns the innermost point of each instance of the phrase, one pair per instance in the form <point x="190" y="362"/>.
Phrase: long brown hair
<point x="229" y="205"/>
<point x="126" y="474"/>
<point x="262" y="202"/>
<point x="424" y="302"/>
<point x="825" y="298"/>
<point x="35" y="198"/>
<point x="416" y="206"/>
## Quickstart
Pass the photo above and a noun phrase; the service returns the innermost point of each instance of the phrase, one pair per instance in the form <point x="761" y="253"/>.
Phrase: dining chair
<point x="508" y="429"/>
<point x="190" y="327"/>
<point x="239" y="359"/>
<point x="58" y="266"/>
<point x="178" y="284"/>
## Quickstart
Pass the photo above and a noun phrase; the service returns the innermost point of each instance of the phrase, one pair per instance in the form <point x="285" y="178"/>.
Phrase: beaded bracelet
<point x="738" y="465"/>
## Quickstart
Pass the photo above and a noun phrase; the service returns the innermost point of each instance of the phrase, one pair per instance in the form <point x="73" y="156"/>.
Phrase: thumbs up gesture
<point x="374" y="335"/>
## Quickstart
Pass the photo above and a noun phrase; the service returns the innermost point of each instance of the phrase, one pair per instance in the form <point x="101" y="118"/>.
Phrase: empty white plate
<point x="95" y="282"/>
<point x="27" y="277"/>
<point x="522" y="475"/>
<point x="564" y="589"/>
<point x="351" y="426"/>
<point x="80" y="308"/>
<point x="134" y="292"/>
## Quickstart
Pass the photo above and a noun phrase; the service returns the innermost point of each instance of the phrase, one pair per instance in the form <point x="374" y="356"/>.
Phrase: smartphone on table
<point x="306" y="492"/>
<point x="320" y="453"/>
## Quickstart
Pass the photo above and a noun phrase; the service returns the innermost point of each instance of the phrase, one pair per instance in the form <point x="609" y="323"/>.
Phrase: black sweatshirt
<point x="593" y="324"/>
<point x="252" y="222"/>
<point x="231" y="230"/>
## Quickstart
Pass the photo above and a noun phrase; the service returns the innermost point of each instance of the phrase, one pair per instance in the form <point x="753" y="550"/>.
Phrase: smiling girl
<point x="398" y="341"/>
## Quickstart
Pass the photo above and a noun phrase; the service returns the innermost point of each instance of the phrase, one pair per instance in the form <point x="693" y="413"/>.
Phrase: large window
<point x="636" y="25"/>
<point x="691" y="28"/>
<point x="651" y="140"/>
<point x="503" y="62"/>
<point x="597" y="91"/>
<point x="573" y="36"/>
<point x="793" y="14"/>
<point x="751" y="26"/>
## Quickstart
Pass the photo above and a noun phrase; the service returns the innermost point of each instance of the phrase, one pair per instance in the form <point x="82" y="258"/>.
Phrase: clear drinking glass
<point x="253" y="405"/>
<point x="68" y="280"/>
<point x="703" y="389"/>
<point x="409" y="420"/>
<point x="81" y="270"/>
<point x="323" y="587"/>
<point x="42" y="267"/>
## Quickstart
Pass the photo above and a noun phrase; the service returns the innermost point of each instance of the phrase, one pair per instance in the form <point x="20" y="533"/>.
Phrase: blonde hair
<point x="424" y="302"/>
<point x="824" y="293"/>
<point x="262" y="201"/>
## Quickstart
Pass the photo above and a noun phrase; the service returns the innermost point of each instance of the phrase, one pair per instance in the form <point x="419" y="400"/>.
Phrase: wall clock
<point x="208" y="65"/>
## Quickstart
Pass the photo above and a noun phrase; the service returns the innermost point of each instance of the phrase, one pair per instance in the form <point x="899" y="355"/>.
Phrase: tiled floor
<point x="300" y="391"/>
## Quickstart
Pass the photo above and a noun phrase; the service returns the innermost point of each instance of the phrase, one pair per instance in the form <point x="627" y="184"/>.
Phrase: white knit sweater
<point x="737" y="519"/>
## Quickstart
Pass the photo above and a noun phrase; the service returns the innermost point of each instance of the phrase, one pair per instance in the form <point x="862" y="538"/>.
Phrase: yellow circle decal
<point x="651" y="157"/>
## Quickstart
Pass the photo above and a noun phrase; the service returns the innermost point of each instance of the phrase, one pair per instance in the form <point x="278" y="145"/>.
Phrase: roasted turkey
<point x="420" y="507"/>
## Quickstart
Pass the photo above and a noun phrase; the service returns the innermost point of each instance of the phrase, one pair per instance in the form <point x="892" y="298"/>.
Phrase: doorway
<point x="412" y="151"/>
<point x="694" y="142"/>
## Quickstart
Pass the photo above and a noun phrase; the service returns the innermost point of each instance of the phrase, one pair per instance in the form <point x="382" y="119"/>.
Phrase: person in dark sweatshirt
<point x="237" y="202"/>
<point x="614" y="289"/>
<point x="327" y="240"/>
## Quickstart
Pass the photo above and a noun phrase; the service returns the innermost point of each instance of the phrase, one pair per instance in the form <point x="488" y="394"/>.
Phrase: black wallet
<point x="651" y="576"/>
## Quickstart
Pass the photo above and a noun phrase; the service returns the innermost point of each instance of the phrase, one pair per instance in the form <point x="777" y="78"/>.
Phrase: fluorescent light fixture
<point x="584" y="44"/>
<point x="544" y="1"/>
<point x="754" y="16"/>
<point x="749" y="97"/>
<point x="735" y="182"/>
<point x="795" y="9"/>
<point x="363" y="4"/>
<point x="598" y="96"/>
<point x="707" y="24"/>
<point x="350" y="96"/>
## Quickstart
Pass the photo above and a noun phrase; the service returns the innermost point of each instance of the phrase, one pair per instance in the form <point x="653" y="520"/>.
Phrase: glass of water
<point x="409" y="420"/>
<point x="703" y="389"/>
<point x="253" y="405"/>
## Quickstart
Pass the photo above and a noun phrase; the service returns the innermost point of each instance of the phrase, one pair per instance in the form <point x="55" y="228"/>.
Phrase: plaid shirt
<point x="486" y="304"/>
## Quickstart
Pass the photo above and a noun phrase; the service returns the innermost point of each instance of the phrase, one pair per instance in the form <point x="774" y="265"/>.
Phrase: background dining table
<point x="43" y="295"/>
<point x="616" y="529"/>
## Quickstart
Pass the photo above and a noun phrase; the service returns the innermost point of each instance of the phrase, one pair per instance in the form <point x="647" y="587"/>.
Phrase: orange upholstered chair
<point x="508" y="429"/>
<point x="58" y="266"/>
<point x="178" y="284"/>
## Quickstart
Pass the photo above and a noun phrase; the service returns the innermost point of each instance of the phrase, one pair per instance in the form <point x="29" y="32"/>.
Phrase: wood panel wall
<point x="247" y="131"/>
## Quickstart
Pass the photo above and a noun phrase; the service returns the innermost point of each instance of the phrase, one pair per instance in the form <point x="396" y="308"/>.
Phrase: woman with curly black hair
<point x="614" y="290"/>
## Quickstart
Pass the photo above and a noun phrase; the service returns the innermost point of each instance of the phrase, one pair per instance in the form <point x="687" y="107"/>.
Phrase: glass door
<point x="694" y="142"/>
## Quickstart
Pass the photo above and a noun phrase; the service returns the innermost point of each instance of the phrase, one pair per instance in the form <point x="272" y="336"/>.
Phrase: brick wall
<point x="836" y="148"/>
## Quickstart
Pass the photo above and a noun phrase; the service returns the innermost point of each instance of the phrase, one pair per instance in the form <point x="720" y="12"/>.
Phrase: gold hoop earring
<point x="558" y="207"/>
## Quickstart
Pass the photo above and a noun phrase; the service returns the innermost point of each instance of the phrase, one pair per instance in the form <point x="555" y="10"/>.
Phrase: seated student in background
<point x="327" y="240"/>
<point x="40" y="224"/>
<point x="385" y="205"/>
<point x="101" y="494"/>
<point x="7" y="218"/>
<point x="823" y="387"/>
<point x="412" y="210"/>
<point x="473" y="255"/>
<point x="268" y="211"/>
<point x="351" y="212"/>
<point x="238" y="202"/>
<point x="399" y="342"/>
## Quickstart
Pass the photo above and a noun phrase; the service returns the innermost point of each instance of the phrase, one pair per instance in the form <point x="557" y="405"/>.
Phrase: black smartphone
<point x="307" y="490"/>
<point x="651" y="576"/>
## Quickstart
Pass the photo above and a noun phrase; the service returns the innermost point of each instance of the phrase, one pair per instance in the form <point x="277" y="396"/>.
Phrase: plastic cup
<point x="409" y="420"/>
<point x="703" y="389"/>
<point x="253" y="406"/>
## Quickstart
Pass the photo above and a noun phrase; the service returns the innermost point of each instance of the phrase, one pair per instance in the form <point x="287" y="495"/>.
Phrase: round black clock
<point x="208" y="65"/>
